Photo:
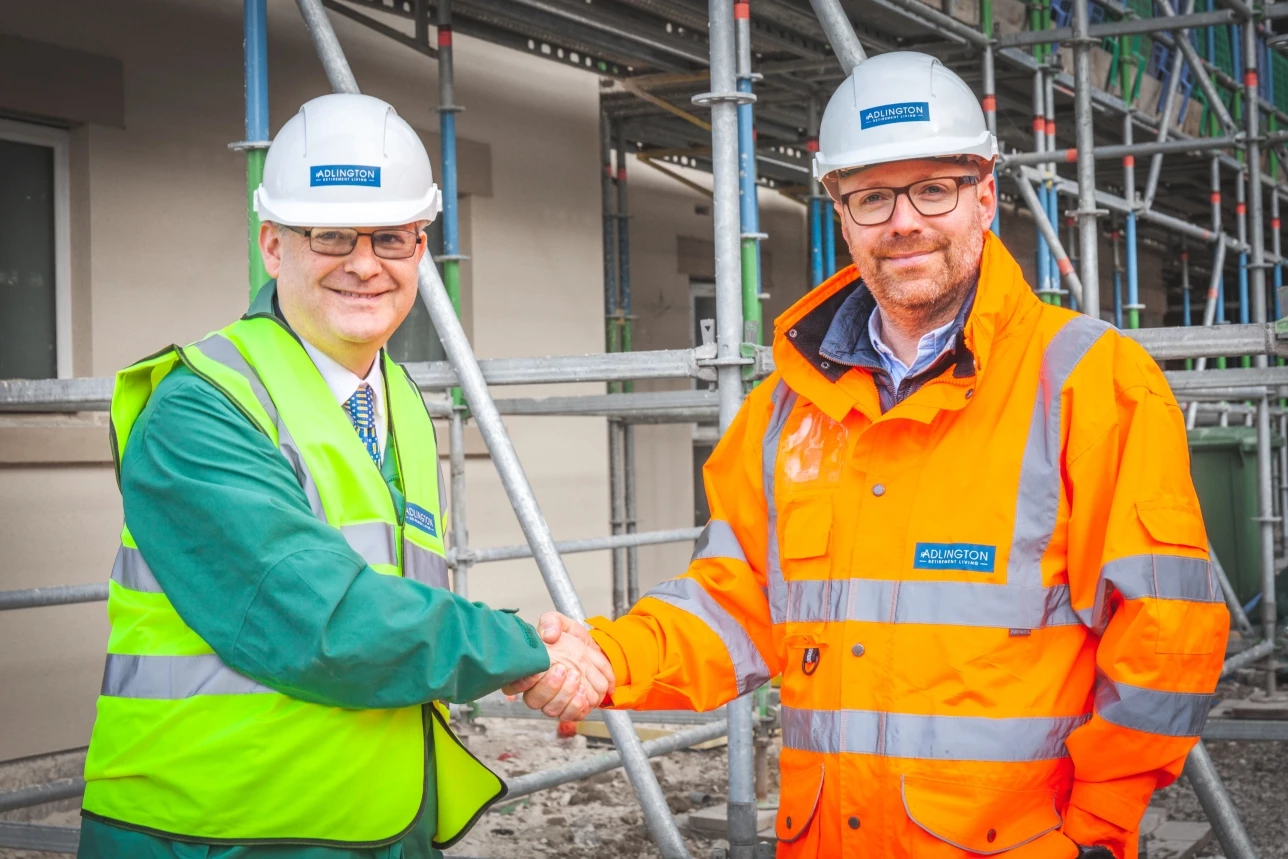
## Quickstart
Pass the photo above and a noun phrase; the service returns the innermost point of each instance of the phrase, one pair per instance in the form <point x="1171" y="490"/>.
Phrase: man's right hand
<point x="579" y="677"/>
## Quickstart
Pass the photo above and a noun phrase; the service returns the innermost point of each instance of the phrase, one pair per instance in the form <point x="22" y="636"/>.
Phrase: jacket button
<point x="969" y="393"/>
<point x="792" y="334"/>
<point x="991" y="836"/>
<point x="878" y="489"/>
<point x="857" y="650"/>
<point x="854" y="823"/>
<point x="825" y="365"/>
<point x="789" y="823"/>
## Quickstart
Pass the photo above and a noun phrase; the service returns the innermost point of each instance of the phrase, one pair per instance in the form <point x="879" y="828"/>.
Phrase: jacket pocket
<point x="1177" y="522"/>
<point x="801" y="789"/>
<point x="978" y="818"/>
<point x="807" y="528"/>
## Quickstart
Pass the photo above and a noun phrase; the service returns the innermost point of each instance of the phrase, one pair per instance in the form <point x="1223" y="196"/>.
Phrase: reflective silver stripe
<point x="173" y="677"/>
<point x="687" y="595"/>
<point x="374" y="541"/>
<point x="422" y="565"/>
<point x="717" y="540"/>
<point x="1175" y="714"/>
<point x="131" y="572"/>
<point x="948" y="603"/>
<point x="286" y="444"/>
<point x="221" y="350"/>
<point x="1168" y="577"/>
<point x="783" y="399"/>
<point x="1038" y="500"/>
<point x="945" y="738"/>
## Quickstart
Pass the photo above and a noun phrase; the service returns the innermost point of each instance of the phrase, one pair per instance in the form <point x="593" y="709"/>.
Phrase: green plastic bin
<point x="1223" y="462"/>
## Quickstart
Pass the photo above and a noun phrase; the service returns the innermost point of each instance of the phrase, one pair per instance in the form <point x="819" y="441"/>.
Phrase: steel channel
<point x="1216" y="803"/>
<point x="741" y="814"/>
<point x="460" y="533"/>
<point x="1089" y="255"/>
<point x="657" y="815"/>
<point x="587" y="767"/>
<point x="40" y="794"/>
<point x="1103" y="153"/>
<point x="840" y="33"/>
<point x="1071" y="280"/>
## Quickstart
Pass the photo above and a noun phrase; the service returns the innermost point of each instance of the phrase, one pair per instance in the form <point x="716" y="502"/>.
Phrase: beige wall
<point x="158" y="257"/>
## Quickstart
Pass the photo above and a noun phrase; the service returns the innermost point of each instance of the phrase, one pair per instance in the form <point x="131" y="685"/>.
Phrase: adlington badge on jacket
<point x="968" y="557"/>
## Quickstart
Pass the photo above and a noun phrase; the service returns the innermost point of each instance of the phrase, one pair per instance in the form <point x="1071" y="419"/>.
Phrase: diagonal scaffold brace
<point x="657" y="815"/>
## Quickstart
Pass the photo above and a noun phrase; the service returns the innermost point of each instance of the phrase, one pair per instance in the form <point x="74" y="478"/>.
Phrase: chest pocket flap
<point x="978" y="818"/>
<point x="807" y="527"/>
<point x="1174" y="521"/>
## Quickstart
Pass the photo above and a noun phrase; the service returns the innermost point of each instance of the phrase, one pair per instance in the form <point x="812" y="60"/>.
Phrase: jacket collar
<point x="1000" y="296"/>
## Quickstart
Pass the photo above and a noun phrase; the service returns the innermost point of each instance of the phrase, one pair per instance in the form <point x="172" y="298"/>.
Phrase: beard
<point x="932" y="290"/>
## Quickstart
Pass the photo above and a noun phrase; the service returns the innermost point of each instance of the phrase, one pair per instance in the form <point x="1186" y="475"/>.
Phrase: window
<point x="416" y="339"/>
<point x="35" y="253"/>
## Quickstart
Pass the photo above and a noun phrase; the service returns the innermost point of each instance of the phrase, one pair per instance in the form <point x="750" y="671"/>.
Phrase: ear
<point x="987" y="193"/>
<point x="270" y="248"/>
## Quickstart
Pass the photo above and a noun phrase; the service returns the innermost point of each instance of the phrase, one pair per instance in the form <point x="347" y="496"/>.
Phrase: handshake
<point x="579" y="678"/>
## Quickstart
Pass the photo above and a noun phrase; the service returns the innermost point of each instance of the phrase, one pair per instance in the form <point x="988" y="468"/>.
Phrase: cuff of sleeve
<point x="1098" y="815"/>
<point x="612" y="650"/>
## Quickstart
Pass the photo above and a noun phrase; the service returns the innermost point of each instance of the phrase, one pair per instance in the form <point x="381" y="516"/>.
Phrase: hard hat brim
<point x="983" y="147"/>
<point x="348" y="214"/>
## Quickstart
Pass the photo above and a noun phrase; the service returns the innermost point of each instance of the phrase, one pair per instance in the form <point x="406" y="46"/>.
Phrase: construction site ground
<point x="599" y="818"/>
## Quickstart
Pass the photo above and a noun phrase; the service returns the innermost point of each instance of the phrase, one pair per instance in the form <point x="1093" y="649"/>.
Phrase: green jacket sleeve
<point x="279" y="595"/>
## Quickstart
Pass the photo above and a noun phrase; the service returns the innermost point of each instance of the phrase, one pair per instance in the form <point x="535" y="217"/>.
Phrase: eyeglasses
<point x="340" y="241"/>
<point x="871" y="207"/>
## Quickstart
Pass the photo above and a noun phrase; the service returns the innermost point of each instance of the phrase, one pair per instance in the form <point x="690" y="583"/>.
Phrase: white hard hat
<point x="347" y="161"/>
<point x="896" y="107"/>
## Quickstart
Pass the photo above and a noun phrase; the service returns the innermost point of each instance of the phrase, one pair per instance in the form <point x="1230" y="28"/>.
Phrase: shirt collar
<point x="343" y="382"/>
<point x="849" y="338"/>
<point x="931" y="345"/>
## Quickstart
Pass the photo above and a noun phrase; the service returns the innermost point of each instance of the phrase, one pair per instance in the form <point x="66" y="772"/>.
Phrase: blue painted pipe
<point x="451" y="223"/>
<point x="255" y="22"/>
<point x="1133" y="280"/>
<point x="1043" y="252"/>
<point x="1244" y="318"/>
<point x="997" y="212"/>
<point x="815" y="241"/>
<point x="1186" y="319"/>
<point x="748" y="205"/>
<point x="1118" y="299"/>
<point x="829" y="241"/>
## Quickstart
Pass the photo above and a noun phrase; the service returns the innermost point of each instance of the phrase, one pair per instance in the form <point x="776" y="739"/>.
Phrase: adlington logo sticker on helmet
<point x="954" y="556"/>
<point x="904" y="111"/>
<point x="344" y="174"/>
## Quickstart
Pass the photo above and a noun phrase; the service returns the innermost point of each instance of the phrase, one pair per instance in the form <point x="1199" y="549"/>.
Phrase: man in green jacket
<point x="283" y="638"/>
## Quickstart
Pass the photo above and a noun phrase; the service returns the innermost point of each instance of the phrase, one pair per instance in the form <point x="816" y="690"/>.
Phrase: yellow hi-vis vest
<point x="187" y="748"/>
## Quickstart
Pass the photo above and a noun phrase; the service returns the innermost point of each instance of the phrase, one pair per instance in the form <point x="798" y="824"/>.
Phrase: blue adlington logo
<point x="955" y="556"/>
<point x="344" y="174"/>
<point x="904" y="111"/>
<point x="419" y="517"/>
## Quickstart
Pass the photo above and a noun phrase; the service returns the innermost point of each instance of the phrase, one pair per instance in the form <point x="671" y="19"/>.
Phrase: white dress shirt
<point x="929" y="348"/>
<point x="344" y="382"/>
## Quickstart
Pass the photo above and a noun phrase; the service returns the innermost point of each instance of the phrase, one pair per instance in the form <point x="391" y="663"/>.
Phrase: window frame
<point x="59" y="140"/>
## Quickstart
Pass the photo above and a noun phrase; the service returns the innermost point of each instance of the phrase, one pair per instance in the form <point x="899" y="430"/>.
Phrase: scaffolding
<point x="1133" y="68"/>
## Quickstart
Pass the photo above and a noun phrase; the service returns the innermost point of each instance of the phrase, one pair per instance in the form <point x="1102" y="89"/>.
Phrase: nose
<point x="905" y="219"/>
<point x="362" y="262"/>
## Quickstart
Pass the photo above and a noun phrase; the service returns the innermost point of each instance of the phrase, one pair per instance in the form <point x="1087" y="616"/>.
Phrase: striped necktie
<point x="362" y="411"/>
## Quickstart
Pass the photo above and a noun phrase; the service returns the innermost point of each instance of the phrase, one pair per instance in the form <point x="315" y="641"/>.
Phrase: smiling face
<point x="919" y="266"/>
<point x="346" y="306"/>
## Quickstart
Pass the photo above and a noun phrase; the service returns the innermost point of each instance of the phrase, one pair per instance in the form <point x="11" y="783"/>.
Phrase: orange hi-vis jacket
<point x="991" y="604"/>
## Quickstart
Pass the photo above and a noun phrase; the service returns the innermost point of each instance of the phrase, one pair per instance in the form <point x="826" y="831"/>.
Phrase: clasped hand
<point x="579" y="678"/>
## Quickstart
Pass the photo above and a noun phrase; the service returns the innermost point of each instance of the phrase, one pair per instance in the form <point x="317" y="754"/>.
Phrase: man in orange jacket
<point x="959" y="523"/>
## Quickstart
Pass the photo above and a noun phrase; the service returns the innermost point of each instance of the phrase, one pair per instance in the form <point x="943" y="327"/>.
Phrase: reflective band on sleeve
<point x="944" y="738"/>
<point x="717" y="540"/>
<point x="945" y="603"/>
<point x="131" y="572"/>
<point x="1038" y="499"/>
<point x="687" y="595"/>
<point x="374" y="541"/>
<point x="174" y="677"/>
<point x="1168" y="577"/>
<point x="286" y="444"/>
<point x="221" y="350"/>
<point x="422" y="565"/>
<point x="783" y="399"/>
<point x="1173" y="714"/>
